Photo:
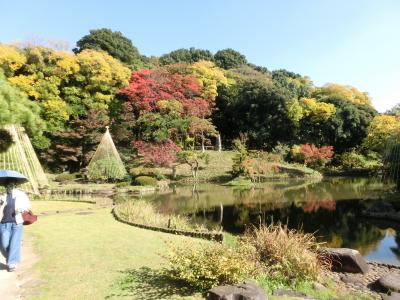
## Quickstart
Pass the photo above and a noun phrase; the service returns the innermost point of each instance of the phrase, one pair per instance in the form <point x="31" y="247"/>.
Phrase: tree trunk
<point x="174" y="172"/>
<point x="195" y="168"/>
<point x="202" y="143"/>
<point x="221" y="213"/>
<point x="219" y="143"/>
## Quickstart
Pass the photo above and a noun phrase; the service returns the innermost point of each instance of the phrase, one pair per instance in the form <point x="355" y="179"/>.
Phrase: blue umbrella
<point x="7" y="176"/>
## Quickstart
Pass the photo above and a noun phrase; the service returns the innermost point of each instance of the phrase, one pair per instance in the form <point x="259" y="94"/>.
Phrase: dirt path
<point x="22" y="282"/>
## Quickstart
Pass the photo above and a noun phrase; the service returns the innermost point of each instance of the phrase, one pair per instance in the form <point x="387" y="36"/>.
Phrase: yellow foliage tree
<point x="27" y="84"/>
<point x="295" y="111"/>
<point x="11" y="59"/>
<point x="100" y="76"/>
<point x="346" y="92"/>
<point x="210" y="77"/>
<point x="56" y="113"/>
<point x="318" y="111"/>
<point x="381" y="129"/>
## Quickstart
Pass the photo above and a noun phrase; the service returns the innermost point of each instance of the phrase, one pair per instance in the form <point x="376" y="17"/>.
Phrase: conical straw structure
<point x="106" y="164"/>
<point x="22" y="158"/>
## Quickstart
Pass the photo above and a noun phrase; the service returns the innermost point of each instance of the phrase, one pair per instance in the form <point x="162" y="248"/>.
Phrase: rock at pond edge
<point x="246" y="291"/>
<point x="346" y="260"/>
<point x="390" y="282"/>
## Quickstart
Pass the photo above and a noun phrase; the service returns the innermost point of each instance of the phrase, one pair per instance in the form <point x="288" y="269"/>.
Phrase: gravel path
<point x="22" y="282"/>
<point x="365" y="283"/>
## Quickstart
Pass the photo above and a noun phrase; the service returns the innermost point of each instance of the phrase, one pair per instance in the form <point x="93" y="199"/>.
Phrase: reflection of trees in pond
<point x="188" y="200"/>
<point x="314" y="206"/>
<point x="340" y="227"/>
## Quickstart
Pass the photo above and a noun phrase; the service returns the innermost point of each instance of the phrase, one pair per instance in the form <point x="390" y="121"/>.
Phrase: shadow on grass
<point x="146" y="283"/>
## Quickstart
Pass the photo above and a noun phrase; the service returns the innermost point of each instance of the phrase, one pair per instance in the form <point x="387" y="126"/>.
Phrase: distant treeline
<point x="174" y="102"/>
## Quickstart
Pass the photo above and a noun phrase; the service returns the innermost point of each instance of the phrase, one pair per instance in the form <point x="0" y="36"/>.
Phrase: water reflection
<point x="331" y="209"/>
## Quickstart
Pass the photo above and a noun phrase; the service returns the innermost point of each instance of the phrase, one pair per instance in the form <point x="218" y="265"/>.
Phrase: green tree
<point x="295" y="85"/>
<point x="112" y="42"/>
<point x="189" y="56"/>
<point x="255" y="106"/>
<point x="15" y="108"/>
<point x="229" y="59"/>
<point x="348" y="126"/>
<point x="193" y="160"/>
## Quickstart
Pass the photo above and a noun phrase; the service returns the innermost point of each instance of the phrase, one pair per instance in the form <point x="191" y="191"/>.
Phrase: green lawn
<point x="94" y="257"/>
<point x="39" y="207"/>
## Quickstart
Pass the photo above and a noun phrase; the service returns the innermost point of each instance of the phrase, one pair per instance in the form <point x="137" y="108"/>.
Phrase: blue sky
<point x="351" y="42"/>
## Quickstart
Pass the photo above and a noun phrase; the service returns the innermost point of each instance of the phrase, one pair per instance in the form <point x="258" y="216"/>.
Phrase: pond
<point x="330" y="208"/>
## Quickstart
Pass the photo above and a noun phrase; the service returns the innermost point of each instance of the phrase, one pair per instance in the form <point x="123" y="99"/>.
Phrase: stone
<point x="351" y="279"/>
<point x="245" y="291"/>
<point x="392" y="296"/>
<point x="290" y="293"/>
<point x="347" y="260"/>
<point x="390" y="282"/>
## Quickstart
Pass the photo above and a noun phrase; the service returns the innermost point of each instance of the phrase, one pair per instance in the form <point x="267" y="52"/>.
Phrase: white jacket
<point x="22" y="204"/>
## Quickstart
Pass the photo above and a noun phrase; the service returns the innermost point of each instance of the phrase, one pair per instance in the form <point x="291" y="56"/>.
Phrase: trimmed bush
<point x="146" y="180"/>
<point x="123" y="184"/>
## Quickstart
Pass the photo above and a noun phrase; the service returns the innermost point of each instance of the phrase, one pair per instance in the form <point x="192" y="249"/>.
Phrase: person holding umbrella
<point x="12" y="204"/>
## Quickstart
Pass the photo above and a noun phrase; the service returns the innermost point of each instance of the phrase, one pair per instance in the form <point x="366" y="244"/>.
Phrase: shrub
<point x="311" y="155"/>
<point x="65" y="177"/>
<point x="283" y="256"/>
<point x="123" y="184"/>
<point x="295" y="154"/>
<point x="354" y="160"/>
<point x="282" y="150"/>
<point x="209" y="264"/>
<point x="151" y="172"/>
<point x="146" y="180"/>
<point x="285" y="252"/>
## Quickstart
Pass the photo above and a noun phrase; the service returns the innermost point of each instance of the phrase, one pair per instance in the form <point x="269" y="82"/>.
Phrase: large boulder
<point x="346" y="260"/>
<point x="246" y="291"/>
<point x="390" y="282"/>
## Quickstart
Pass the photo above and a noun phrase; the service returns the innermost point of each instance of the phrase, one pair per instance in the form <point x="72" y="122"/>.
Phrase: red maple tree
<point x="316" y="156"/>
<point x="162" y="154"/>
<point x="147" y="87"/>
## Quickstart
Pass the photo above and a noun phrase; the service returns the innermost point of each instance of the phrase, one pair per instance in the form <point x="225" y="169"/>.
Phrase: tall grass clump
<point x="286" y="253"/>
<point x="143" y="212"/>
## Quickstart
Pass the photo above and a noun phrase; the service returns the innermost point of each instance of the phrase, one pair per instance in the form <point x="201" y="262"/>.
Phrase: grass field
<point x="94" y="257"/>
